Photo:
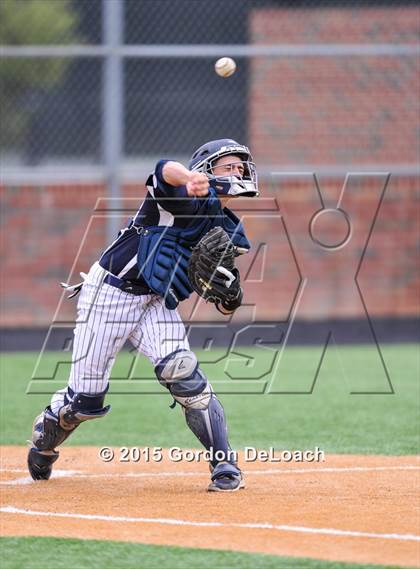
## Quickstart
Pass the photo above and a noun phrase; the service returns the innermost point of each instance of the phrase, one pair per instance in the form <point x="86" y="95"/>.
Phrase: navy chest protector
<point x="164" y="252"/>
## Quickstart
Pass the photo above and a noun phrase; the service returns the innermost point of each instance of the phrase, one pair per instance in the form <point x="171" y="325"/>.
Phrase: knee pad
<point x="179" y="372"/>
<point x="50" y="430"/>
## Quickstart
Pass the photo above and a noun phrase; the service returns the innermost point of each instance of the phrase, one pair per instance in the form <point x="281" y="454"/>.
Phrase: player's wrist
<point x="197" y="184"/>
<point x="189" y="185"/>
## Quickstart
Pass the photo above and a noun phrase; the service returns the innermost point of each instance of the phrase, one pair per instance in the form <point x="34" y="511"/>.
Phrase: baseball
<point x="225" y="66"/>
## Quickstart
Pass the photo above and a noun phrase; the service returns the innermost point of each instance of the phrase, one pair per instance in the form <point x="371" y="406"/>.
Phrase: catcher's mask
<point x="205" y="157"/>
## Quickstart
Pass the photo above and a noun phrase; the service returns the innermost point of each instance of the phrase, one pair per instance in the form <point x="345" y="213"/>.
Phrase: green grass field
<point x="38" y="553"/>
<point x="330" y="418"/>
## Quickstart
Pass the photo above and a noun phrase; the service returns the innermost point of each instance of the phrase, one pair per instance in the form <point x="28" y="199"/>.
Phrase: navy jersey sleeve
<point x="173" y="199"/>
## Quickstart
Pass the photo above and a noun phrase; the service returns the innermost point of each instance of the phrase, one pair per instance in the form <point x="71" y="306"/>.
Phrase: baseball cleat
<point x="40" y="463"/>
<point x="226" y="477"/>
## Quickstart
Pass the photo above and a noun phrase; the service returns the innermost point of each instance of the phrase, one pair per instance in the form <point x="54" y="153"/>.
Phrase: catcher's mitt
<point x="212" y="272"/>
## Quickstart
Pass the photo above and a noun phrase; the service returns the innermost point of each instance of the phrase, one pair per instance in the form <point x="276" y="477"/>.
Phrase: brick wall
<point x="345" y="111"/>
<point x="318" y="111"/>
<point x="42" y="228"/>
<point x="340" y="109"/>
<point x="47" y="230"/>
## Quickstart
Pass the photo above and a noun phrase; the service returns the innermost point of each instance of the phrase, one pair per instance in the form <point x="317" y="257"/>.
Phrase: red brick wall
<point x="43" y="229"/>
<point x="317" y="111"/>
<point x="340" y="109"/>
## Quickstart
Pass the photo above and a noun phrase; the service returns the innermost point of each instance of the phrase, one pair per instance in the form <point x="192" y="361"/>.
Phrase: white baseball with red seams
<point x="225" y="66"/>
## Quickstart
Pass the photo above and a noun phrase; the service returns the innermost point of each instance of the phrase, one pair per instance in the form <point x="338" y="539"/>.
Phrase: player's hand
<point x="198" y="184"/>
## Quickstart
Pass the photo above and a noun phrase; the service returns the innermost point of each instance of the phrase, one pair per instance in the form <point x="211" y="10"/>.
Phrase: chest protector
<point x="164" y="252"/>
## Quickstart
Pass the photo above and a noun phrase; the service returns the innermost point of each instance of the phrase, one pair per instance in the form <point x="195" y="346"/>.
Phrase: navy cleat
<point x="226" y="477"/>
<point x="40" y="463"/>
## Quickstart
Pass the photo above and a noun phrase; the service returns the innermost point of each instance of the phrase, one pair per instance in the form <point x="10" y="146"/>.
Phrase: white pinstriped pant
<point x="106" y="318"/>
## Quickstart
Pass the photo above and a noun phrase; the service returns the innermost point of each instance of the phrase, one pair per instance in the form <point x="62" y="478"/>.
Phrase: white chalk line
<point x="173" y="521"/>
<point x="80" y="474"/>
<point x="60" y="472"/>
<point x="334" y="469"/>
<point x="29" y="480"/>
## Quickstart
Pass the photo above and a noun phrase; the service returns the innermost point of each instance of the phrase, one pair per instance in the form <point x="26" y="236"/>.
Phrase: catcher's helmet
<point x="205" y="157"/>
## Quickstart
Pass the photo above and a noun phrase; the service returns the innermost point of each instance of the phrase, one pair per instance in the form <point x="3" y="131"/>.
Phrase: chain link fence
<point x="361" y="84"/>
<point x="93" y="92"/>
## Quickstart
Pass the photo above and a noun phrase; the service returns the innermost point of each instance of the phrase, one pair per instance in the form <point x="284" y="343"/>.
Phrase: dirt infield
<point x="348" y="508"/>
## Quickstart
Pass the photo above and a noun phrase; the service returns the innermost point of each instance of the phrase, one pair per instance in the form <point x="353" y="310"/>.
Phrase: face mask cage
<point x="234" y="183"/>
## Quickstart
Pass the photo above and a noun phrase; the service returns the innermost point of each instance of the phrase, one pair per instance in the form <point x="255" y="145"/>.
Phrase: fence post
<point x="112" y="111"/>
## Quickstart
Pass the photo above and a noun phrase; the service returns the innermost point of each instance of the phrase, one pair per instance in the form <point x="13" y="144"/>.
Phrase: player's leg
<point x="162" y="337"/>
<point x="51" y="429"/>
<point x="106" y="317"/>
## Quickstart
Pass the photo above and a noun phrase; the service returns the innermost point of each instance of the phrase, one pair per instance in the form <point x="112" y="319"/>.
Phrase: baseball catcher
<point x="183" y="238"/>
